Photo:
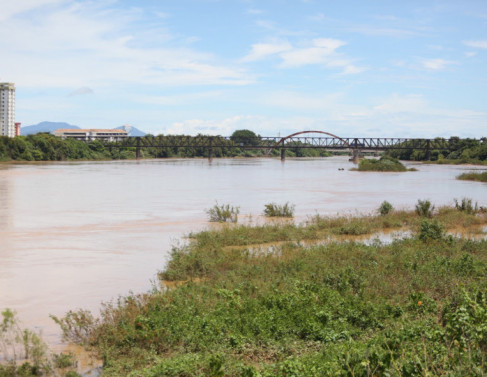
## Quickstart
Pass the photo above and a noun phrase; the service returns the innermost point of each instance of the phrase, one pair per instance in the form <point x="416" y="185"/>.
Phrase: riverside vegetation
<point x="285" y="299"/>
<point x="465" y="151"/>
<point x="473" y="176"/>
<point x="47" y="147"/>
<point x="23" y="353"/>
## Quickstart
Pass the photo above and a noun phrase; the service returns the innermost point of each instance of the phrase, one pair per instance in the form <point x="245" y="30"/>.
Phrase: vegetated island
<point x="384" y="164"/>
<point x="288" y="300"/>
<point x="473" y="176"/>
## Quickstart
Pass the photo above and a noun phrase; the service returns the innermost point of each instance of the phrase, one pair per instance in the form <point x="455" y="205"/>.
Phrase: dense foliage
<point x="47" y="147"/>
<point x="462" y="151"/>
<point x="258" y="301"/>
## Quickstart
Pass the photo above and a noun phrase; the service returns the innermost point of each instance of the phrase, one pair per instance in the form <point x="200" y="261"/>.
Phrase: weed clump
<point x="385" y="208"/>
<point x="424" y="208"/>
<point x="223" y="213"/>
<point x="278" y="210"/>
<point x="466" y="206"/>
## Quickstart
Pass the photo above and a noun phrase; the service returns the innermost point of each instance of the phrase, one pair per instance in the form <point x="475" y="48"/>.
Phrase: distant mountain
<point x="45" y="127"/>
<point x="131" y="131"/>
<point x="53" y="126"/>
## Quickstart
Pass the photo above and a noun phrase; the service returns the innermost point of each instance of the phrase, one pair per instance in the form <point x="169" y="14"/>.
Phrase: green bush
<point x="277" y="210"/>
<point x="431" y="230"/>
<point x="425" y="208"/>
<point x="223" y="213"/>
<point x="385" y="208"/>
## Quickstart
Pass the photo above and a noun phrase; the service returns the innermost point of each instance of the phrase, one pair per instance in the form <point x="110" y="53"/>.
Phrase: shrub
<point x="466" y="206"/>
<point x="223" y="213"/>
<point x="425" y="208"/>
<point x="431" y="230"/>
<point x="385" y="208"/>
<point x="64" y="360"/>
<point x="277" y="210"/>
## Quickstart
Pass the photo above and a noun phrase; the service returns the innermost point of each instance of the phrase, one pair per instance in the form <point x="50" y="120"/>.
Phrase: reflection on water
<point x="74" y="234"/>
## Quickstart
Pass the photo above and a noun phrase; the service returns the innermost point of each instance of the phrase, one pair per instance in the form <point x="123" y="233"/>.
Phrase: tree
<point x="245" y="137"/>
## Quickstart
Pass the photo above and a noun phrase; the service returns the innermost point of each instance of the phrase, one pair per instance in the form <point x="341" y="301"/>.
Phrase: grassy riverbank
<point x="293" y="300"/>
<point x="473" y="176"/>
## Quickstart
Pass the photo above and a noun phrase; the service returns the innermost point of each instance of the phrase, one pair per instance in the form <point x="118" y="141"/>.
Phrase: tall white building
<point x="7" y="109"/>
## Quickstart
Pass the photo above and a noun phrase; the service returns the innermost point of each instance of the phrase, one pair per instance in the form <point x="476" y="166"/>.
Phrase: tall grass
<point x="473" y="176"/>
<point x="279" y="210"/>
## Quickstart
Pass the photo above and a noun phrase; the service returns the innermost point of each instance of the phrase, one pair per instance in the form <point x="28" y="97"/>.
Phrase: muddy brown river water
<point x="75" y="234"/>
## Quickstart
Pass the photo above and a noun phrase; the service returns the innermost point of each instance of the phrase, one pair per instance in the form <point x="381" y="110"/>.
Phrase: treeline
<point x="460" y="151"/>
<point x="47" y="147"/>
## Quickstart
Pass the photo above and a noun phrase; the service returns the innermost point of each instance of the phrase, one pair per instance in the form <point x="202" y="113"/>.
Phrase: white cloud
<point x="254" y="11"/>
<point x="263" y="50"/>
<point x="476" y="44"/>
<point x="319" y="52"/>
<point x="179" y="99"/>
<point x="47" y="49"/>
<point x="399" y="104"/>
<point x="223" y="127"/>
<point x="81" y="91"/>
<point x="386" y="32"/>
<point x="13" y="8"/>
<point x="436" y="64"/>
<point x="470" y="54"/>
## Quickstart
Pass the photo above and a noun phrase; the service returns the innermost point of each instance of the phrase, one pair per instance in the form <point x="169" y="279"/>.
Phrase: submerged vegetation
<point x="385" y="164"/>
<point x="279" y="210"/>
<point x="291" y="300"/>
<point x="385" y="208"/>
<point x="473" y="176"/>
<point x="222" y="213"/>
<point x="23" y="353"/>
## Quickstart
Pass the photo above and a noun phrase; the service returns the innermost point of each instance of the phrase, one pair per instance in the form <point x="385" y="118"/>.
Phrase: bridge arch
<point x="281" y="142"/>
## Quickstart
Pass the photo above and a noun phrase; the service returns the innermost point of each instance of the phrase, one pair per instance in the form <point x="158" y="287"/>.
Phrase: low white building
<point x="7" y="109"/>
<point x="92" y="134"/>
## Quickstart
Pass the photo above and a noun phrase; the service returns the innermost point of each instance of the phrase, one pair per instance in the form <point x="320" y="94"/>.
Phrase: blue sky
<point x="353" y="68"/>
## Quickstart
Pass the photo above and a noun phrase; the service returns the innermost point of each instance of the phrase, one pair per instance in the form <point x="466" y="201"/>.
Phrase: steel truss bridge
<point x="296" y="140"/>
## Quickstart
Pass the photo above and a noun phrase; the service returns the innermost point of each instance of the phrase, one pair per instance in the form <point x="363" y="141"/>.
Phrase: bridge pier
<point x="210" y="150"/>
<point x="356" y="155"/>
<point x="137" y="150"/>
<point x="428" y="150"/>
<point x="283" y="154"/>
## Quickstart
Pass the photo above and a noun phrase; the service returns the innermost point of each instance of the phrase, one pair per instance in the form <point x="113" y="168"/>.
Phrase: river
<point x="74" y="234"/>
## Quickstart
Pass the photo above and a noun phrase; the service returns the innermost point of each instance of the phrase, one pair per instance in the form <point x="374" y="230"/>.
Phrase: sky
<point x="354" y="68"/>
